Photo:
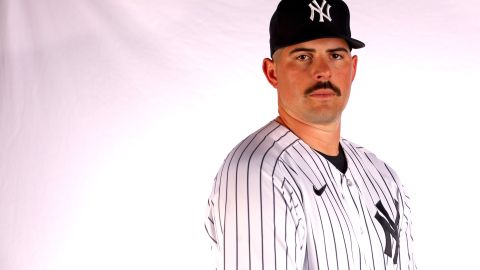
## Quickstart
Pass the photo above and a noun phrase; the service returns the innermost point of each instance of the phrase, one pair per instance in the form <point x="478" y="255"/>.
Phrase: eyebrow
<point x="338" y="49"/>
<point x="301" y="49"/>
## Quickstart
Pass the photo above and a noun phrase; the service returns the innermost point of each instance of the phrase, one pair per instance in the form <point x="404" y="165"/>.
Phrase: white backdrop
<point x="115" y="116"/>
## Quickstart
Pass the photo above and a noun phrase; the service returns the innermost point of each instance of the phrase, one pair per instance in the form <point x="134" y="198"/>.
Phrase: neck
<point x="324" y="138"/>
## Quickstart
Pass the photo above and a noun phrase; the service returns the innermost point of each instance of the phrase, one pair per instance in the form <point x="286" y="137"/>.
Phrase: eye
<point x="304" y="58"/>
<point x="337" y="56"/>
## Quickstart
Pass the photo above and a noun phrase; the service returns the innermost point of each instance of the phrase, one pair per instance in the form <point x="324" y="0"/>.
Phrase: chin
<point x="323" y="119"/>
<point x="323" y="116"/>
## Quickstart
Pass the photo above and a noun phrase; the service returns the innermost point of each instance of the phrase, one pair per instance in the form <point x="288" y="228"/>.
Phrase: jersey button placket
<point x="359" y="228"/>
<point x="349" y="182"/>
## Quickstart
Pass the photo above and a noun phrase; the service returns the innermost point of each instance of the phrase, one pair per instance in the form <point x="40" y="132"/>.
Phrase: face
<point x="312" y="79"/>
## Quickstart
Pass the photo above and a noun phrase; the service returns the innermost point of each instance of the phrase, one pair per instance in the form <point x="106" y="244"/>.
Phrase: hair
<point x="276" y="54"/>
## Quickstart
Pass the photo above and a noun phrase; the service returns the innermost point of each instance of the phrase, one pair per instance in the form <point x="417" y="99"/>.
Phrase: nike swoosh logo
<point x="319" y="191"/>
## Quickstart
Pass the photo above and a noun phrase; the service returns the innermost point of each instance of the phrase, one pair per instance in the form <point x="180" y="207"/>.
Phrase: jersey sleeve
<point x="255" y="218"/>
<point x="406" y="235"/>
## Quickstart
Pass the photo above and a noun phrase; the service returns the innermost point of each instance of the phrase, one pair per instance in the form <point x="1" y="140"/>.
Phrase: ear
<point x="354" y="67"/>
<point x="268" y="67"/>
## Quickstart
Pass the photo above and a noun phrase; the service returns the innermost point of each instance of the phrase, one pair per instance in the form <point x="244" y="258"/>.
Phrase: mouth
<point x="323" y="94"/>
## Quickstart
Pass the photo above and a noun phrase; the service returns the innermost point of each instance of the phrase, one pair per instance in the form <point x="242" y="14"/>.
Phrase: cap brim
<point x="354" y="43"/>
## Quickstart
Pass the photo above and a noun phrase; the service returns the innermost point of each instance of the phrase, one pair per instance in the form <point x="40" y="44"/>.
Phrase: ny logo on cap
<point x="315" y="7"/>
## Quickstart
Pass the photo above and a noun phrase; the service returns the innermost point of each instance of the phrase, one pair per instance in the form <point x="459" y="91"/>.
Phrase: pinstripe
<point x="356" y="155"/>
<point x="368" y="232"/>
<point x="334" y="240"/>
<point x="336" y="214"/>
<point x="379" y="238"/>
<point x="347" y="221"/>
<point x="248" y="198"/>
<point x="370" y="195"/>
<point x="300" y="195"/>
<point x="230" y="159"/>
<point x="286" y="239"/>
<point x="263" y="159"/>
<point x="338" y="203"/>
<point x="274" y="230"/>
<point x="386" y="186"/>
<point x="353" y="200"/>
<point x="405" y="205"/>
<point x="328" y="214"/>
<point x="357" y="163"/>
<point x="323" y="232"/>
<point x="225" y="211"/>
<point x="294" y="228"/>
<point x="315" y="253"/>
<point x="236" y="199"/>
<point x="374" y="183"/>
<point x="226" y="194"/>
<point x="370" y="217"/>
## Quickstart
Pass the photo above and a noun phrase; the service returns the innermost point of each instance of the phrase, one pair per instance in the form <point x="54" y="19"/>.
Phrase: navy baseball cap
<point x="296" y="21"/>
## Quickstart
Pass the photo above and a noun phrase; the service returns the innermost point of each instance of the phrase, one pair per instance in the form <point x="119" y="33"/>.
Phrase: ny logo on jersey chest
<point x="316" y="8"/>
<point x="391" y="229"/>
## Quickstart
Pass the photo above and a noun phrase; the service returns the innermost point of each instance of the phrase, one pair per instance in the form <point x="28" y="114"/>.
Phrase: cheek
<point x="350" y="73"/>
<point x="289" y="93"/>
<point x="295" y="78"/>
<point x="293" y="82"/>
<point x="287" y="82"/>
<point x="345" y="78"/>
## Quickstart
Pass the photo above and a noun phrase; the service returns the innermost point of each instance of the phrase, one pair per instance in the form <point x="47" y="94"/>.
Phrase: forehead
<point x="320" y="44"/>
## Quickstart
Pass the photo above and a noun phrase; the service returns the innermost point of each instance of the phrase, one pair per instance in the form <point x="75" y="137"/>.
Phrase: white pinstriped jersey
<point x="278" y="204"/>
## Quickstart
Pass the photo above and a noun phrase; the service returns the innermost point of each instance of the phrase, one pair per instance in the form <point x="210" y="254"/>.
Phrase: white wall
<point x="116" y="115"/>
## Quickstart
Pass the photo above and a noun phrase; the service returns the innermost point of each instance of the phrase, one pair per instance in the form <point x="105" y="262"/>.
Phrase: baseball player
<point x="294" y="194"/>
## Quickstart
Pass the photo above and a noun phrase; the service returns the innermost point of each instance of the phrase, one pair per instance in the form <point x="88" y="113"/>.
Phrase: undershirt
<point x="339" y="161"/>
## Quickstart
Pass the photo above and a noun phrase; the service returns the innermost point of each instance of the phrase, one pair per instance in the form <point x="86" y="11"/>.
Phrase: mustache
<point x="323" y="85"/>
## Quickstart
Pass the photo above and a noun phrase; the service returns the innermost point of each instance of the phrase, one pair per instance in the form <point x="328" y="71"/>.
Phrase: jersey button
<point x="349" y="183"/>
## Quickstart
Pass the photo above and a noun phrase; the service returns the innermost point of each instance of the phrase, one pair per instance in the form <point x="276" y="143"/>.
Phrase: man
<point x="294" y="194"/>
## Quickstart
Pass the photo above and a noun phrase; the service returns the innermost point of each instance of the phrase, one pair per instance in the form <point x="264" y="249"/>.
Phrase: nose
<point x="321" y="70"/>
